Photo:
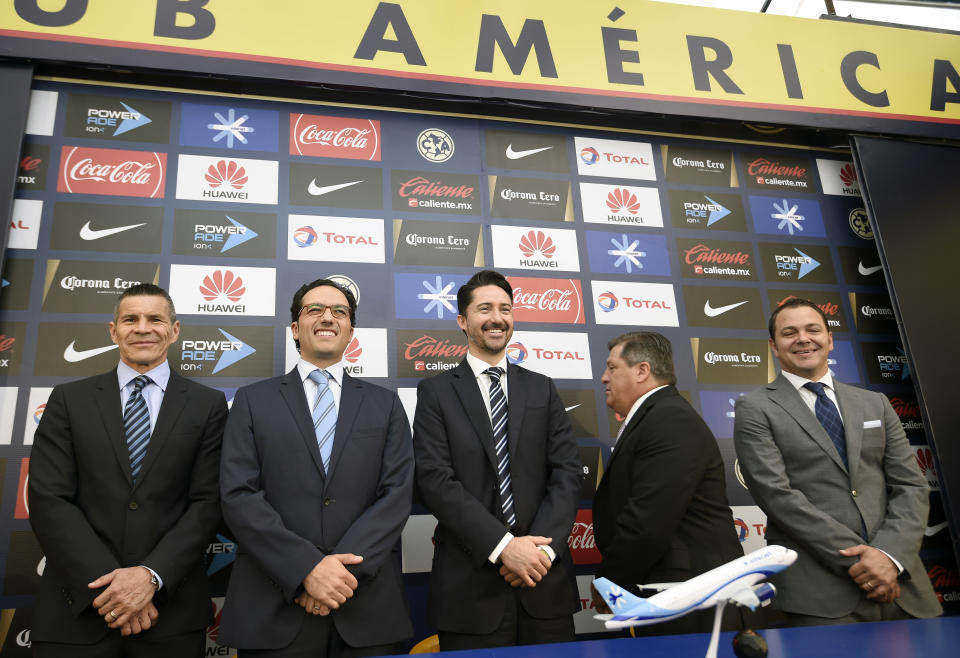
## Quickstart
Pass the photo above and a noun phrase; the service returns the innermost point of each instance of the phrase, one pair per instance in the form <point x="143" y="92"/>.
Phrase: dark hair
<point x="795" y="302"/>
<point x="649" y="346"/>
<point x="143" y="290"/>
<point x="297" y="304"/>
<point x="478" y="280"/>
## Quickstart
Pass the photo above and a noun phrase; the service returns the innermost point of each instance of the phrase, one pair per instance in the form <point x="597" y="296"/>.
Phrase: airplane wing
<point x="659" y="587"/>
<point x="753" y="597"/>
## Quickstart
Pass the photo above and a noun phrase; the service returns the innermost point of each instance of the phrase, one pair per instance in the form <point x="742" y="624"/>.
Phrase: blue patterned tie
<point x="498" y="419"/>
<point x="324" y="416"/>
<point x="136" y="425"/>
<point x="829" y="417"/>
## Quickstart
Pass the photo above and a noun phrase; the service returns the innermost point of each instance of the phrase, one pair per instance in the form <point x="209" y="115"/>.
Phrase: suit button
<point x="854" y="492"/>
<point x="133" y="505"/>
<point x="328" y="501"/>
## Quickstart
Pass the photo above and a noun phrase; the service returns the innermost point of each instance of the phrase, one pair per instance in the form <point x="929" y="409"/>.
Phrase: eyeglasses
<point x="338" y="311"/>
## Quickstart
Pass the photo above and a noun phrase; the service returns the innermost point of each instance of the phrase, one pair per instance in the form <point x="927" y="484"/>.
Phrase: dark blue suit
<point x="287" y="515"/>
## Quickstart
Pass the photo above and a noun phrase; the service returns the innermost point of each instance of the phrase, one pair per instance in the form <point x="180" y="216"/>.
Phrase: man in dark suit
<point x="832" y="468"/>
<point x="124" y="498"/>
<point x="498" y="465"/>
<point x="660" y="513"/>
<point x="317" y="483"/>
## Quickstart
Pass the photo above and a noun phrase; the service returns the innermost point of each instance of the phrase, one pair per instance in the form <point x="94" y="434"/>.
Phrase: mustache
<point x="495" y="325"/>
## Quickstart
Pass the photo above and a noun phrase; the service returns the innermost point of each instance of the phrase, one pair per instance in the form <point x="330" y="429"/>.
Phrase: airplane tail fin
<point x="616" y="598"/>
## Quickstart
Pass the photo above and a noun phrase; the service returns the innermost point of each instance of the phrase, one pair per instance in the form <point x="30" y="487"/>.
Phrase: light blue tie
<point x="324" y="416"/>
<point x="136" y="425"/>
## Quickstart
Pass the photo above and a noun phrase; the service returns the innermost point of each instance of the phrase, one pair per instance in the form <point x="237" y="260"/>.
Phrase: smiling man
<point x="831" y="467"/>
<point x="317" y="483"/>
<point x="660" y="513"/>
<point x="498" y="465"/>
<point x="124" y="498"/>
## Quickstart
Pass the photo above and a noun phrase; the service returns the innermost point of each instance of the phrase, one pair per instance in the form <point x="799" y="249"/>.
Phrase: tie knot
<point x="320" y="377"/>
<point x="816" y="387"/>
<point x="495" y="372"/>
<point x="140" y="382"/>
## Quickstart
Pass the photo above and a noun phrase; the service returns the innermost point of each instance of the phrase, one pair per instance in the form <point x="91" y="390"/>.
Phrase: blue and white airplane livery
<point x="735" y="582"/>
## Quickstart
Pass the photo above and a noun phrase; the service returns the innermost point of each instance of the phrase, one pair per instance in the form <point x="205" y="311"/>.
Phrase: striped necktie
<point x="136" y="425"/>
<point x="829" y="417"/>
<point x="498" y="419"/>
<point x="324" y="416"/>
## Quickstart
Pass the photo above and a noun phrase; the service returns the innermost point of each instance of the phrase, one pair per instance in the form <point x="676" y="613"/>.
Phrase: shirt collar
<point x="335" y="372"/>
<point x="479" y="365"/>
<point x="639" y="401"/>
<point x="797" y="381"/>
<point x="159" y="375"/>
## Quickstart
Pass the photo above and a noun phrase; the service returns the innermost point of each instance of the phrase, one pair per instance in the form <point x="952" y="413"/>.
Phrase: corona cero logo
<point x="226" y="172"/>
<point x="621" y="200"/>
<point x="222" y="284"/>
<point x="537" y="243"/>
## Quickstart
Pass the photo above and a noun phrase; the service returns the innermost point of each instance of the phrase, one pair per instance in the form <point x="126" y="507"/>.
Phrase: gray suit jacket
<point x="814" y="504"/>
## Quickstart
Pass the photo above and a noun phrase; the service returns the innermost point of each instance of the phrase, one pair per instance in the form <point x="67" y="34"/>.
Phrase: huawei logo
<point x="621" y="200"/>
<point x="226" y="172"/>
<point x="848" y="175"/>
<point x="222" y="283"/>
<point x="353" y="351"/>
<point x="925" y="462"/>
<point x="537" y="243"/>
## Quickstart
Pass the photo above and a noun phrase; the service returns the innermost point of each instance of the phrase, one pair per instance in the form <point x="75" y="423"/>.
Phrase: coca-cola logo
<point x="547" y="300"/>
<point x="334" y="137"/>
<point x="114" y="172"/>
<point x="581" y="541"/>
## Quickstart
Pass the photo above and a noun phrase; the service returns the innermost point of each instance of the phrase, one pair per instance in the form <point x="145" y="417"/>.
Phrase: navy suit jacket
<point x="90" y="517"/>
<point x="287" y="515"/>
<point x="456" y="474"/>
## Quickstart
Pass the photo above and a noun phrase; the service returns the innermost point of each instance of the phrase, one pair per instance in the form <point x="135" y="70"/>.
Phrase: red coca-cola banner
<point x="334" y="137"/>
<point x="583" y="547"/>
<point x="547" y="300"/>
<point x="108" y="171"/>
<point x="22" y="509"/>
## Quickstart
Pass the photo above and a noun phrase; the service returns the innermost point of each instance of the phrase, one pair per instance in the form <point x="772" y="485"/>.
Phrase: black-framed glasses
<point x="338" y="311"/>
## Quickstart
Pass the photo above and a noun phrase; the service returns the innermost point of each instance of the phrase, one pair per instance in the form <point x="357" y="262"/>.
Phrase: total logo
<point x="750" y="524"/>
<point x="229" y="291"/>
<point x="341" y="239"/>
<point x="435" y="145"/>
<point x="648" y="304"/>
<point x="207" y="236"/>
<point x="557" y="355"/>
<point x="234" y="180"/>
<point x="614" y="158"/>
<point x="226" y="352"/>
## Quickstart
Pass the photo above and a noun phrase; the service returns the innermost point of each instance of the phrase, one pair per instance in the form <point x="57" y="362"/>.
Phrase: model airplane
<point x="735" y="581"/>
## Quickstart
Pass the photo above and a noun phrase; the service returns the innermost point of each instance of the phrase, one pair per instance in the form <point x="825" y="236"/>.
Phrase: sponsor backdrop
<point x="232" y="203"/>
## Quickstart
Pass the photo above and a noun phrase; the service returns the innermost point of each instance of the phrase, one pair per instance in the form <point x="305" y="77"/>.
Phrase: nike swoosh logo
<point x="867" y="271"/>
<point x="72" y="355"/>
<point x="516" y="155"/>
<point x="711" y="312"/>
<point x="931" y="530"/>
<point x="316" y="190"/>
<point x="88" y="233"/>
<point x="573" y="407"/>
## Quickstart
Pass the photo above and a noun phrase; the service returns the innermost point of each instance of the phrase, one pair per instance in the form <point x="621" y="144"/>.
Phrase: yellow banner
<point x="622" y="51"/>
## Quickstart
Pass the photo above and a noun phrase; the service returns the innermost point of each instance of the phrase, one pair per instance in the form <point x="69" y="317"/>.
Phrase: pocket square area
<point x="870" y="424"/>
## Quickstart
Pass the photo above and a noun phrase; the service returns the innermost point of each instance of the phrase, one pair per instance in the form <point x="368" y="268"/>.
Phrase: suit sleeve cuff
<point x="157" y="576"/>
<point x="894" y="560"/>
<point x="498" y="549"/>
<point x="549" y="551"/>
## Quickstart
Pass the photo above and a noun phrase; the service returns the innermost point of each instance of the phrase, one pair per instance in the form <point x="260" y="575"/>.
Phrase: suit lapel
<point x="635" y="422"/>
<point x="516" y="403"/>
<point x="782" y="393"/>
<point x="107" y="396"/>
<point x="174" y="400"/>
<point x="852" y="412"/>
<point x="291" y="389"/>
<point x="351" y="397"/>
<point x="465" y="386"/>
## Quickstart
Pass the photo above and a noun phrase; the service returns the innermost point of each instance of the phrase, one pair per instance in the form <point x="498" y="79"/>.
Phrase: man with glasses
<point x="317" y="482"/>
